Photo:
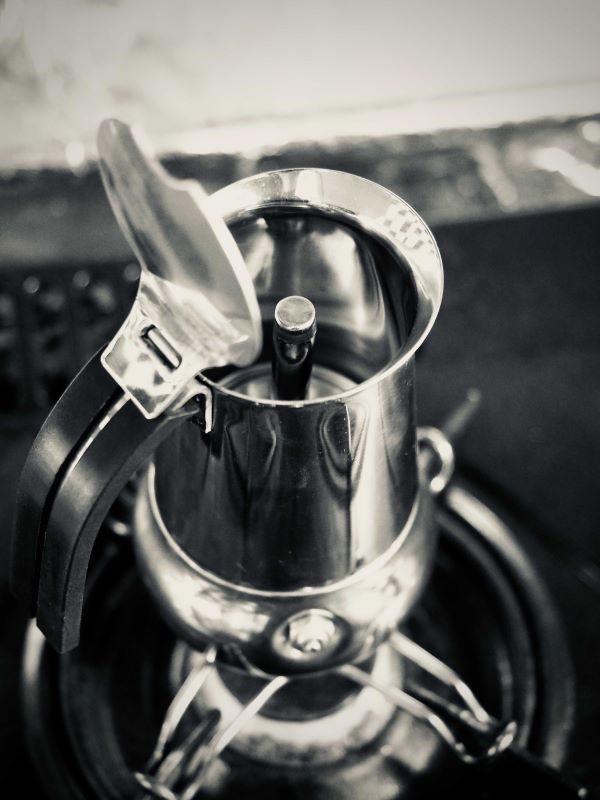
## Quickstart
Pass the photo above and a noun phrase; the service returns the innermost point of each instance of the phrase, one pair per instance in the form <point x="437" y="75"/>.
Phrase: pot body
<point x="282" y="497"/>
<point x="287" y="498"/>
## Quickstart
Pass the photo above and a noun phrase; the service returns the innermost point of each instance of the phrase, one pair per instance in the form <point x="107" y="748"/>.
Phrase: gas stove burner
<point x="93" y="715"/>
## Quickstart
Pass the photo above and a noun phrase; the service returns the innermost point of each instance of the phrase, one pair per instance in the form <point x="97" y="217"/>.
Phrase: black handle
<point x="90" y="445"/>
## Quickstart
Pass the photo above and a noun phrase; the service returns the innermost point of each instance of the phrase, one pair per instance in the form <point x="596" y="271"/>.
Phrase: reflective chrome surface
<point x="364" y="606"/>
<point x="282" y="497"/>
<point x="323" y="738"/>
<point x="155" y="357"/>
<point x="294" y="497"/>
<point x="294" y="332"/>
<point x="196" y="305"/>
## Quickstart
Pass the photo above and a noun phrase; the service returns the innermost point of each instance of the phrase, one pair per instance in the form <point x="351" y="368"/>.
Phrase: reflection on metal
<point x="433" y="666"/>
<point x="201" y="606"/>
<point x="181" y="702"/>
<point x="162" y="773"/>
<point x="286" y="500"/>
<point x="196" y="306"/>
<point x="442" y="454"/>
<point x="294" y="330"/>
<point x="170" y="335"/>
<point x="204" y="757"/>
<point x="174" y="767"/>
<point x="189" y="765"/>
<point x="406" y="702"/>
<point x="322" y="718"/>
<point x="308" y="633"/>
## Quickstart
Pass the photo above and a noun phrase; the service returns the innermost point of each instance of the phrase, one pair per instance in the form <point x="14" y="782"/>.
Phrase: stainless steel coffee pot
<point x="296" y="532"/>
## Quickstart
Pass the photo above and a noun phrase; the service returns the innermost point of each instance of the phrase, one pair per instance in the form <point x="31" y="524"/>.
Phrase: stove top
<point x="519" y="322"/>
<point x="93" y="715"/>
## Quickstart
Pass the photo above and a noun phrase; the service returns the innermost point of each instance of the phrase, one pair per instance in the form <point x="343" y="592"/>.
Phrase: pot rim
<point x="363" y="205"/>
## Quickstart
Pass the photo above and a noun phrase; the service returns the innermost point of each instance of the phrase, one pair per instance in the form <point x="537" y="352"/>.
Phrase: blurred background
<point x="234" y="75"/>
<point x="465" y="108"/>
<point x="485" y="116"/>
